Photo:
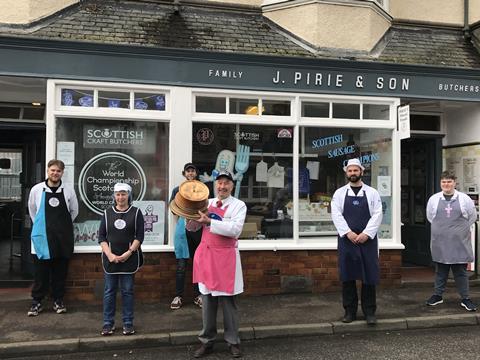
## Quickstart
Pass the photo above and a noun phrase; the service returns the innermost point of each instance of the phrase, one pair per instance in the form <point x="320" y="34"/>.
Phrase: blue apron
<point x="358" y="261"/>
<point x="52" y="230"/>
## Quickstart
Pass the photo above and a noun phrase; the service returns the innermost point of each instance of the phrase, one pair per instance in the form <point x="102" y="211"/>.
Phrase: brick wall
<point x="265" y="272"/>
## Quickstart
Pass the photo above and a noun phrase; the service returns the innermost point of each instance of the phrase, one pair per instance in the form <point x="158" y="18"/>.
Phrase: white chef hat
<point x="122" y="187"/>
<point x="353" y="162"/>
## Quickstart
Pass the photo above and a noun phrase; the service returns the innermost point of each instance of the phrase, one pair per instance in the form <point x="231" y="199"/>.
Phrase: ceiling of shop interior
<point x="22" y="90"/>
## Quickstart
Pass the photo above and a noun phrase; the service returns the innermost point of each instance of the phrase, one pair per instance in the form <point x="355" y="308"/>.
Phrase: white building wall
<point x="462" y="125"/>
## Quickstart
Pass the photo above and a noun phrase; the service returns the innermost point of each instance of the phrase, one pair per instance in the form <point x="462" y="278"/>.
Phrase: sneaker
<point x="128" y="330"/>
<point x="107" y="330"/>
<point x="176" y="303"/>
<point x="198" y="301"/>
<point x="468" y="305"/>
<point x="59" y="307"/>
<point x="434" y="300"/>
<point x="35" y="309"/>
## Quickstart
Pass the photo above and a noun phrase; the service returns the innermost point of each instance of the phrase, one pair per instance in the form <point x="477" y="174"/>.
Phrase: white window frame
<point x="180" y="114"/>
<point x="296" y="121"/>
<point x="55" y="110"/>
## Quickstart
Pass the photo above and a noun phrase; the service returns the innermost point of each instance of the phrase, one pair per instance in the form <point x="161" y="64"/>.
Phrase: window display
<point x="259" y="157"/>
<point x="100" y="153"/>
<point x="325" y="152"/>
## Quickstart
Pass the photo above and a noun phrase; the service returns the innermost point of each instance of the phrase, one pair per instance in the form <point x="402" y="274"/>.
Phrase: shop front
<point x="285" y="131"/>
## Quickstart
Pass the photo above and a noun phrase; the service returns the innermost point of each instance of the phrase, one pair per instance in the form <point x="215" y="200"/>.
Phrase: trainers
<point x="198" y="301"/>
<point x="59" y="307"/>
<point x="128" y="330"/>
<point x="434" y="300"/>
<point x="35" y="309"/>
<point x="107" y="330"/>
<point x="468" y="304"/>
<point x="176" y="303"/>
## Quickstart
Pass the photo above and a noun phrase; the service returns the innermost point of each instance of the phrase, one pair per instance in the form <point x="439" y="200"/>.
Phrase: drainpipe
<point x="466" y="27"/>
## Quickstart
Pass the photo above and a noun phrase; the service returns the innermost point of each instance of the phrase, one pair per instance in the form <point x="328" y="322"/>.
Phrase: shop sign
<point x="99" y="175"/>
<point x="112" y="137"/>
<point x="404" y="121"/>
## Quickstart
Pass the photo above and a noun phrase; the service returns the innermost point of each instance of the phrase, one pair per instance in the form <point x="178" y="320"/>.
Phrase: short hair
<point x="59" y="163"/>
<point x="448" y="175"/>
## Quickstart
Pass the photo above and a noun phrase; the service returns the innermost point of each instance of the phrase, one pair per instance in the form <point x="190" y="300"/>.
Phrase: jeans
<point x="459" y="274"/>
<point x="126" y="282"/>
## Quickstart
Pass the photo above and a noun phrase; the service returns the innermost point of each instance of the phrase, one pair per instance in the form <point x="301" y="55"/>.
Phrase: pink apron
<point x="215" y="259"/>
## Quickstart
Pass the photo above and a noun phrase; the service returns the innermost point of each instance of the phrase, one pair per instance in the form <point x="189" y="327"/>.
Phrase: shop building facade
<point x="131" y="90"/>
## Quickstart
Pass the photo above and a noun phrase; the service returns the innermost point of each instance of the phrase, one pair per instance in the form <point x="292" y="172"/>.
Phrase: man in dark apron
<point x="357" y="215"/>
<point x="451" y="214"/>
<point x="52" y="206"/>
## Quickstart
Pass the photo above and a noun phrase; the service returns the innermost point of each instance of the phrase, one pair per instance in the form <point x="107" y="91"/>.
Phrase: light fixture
<point x="36" y="104"/>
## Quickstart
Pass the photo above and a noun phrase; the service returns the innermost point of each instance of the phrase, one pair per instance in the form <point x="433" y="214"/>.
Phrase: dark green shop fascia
<point x="133" y="64"/>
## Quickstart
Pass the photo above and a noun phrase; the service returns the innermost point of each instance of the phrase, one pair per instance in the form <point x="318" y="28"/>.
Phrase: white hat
<point x="353" y="162"/>
<point x="122" y="187"/>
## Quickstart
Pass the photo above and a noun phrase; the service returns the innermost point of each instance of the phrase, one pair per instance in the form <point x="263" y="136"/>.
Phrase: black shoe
<point x="203" y="350"/>
<point x="235" y="350"/>
<point x="371" y="320"/>
<point x="348" y="318"/>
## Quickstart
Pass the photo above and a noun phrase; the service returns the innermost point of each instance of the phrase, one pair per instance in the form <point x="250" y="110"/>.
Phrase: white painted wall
<point x="462" y="124"/>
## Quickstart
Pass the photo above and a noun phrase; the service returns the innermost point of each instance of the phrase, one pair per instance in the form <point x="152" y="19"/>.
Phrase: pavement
<point x="261" y="317"/>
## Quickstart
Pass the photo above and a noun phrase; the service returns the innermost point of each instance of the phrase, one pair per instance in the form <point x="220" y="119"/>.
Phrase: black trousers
<point x="50" y="272"/>
<point x="193" y="240"/>
<point x="350" y="298"/>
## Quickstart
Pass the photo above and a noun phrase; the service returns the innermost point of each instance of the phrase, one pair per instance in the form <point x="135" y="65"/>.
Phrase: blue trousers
<point x="126" y="282"/>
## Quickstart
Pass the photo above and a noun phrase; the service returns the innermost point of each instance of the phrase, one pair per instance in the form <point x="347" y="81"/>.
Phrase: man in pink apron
<point x="216" y="265"/>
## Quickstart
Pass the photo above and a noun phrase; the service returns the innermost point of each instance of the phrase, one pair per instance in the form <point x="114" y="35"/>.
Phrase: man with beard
<point x="52" y="206"/>
<point x="357" y="215"/>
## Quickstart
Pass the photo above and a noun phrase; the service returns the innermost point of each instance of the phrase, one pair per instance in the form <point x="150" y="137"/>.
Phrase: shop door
<point x="22" y="164"/>
<point x="420" y="167"/>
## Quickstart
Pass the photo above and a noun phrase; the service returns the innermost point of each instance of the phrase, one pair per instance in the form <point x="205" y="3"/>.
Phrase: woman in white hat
<point x="357" y="215"/>
<point x="120" y="235"/>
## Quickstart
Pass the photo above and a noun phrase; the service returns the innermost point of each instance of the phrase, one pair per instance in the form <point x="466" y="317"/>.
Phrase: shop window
<point x="114" y="99"/>
<point x="244" y="106"/>
<point x="275" y="107"/>
<point x="376" y="112"/>
<point x="100" y="153"/>
<point x="9" y="112"/>
<point x="423" y="122"/>
<point x="316" y="109"/>
<point x="263" y="185"/>
<point x="208" y="104"/>
<point x="321" y="173"/>
<point x="33" y="113"/>
<point x="149" y="101"/>
<point x="76" y="97"/>
<point x="346" y="111"/>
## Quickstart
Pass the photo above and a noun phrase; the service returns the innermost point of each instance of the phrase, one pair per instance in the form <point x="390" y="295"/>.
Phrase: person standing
<point x="52" y="206"/>
<point x="185" y="244"/>
<point x="357" y="215"/>
<point x="216" y="266"/>
<point x="451" y="213"/>
<point x="120" y="235"/>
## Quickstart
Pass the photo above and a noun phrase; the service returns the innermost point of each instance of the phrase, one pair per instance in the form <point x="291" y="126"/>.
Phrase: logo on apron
<point x="356" y="202"/>
<point x="53" y="202"/>
<point x="120" y="224"/>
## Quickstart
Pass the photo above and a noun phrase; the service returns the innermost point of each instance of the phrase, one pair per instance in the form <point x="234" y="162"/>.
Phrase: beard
<point x="354" y="178"/>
